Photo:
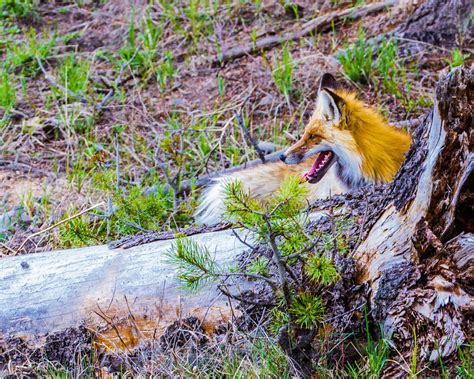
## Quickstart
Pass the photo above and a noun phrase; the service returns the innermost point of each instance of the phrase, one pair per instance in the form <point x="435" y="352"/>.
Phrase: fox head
<point x="346" y="132"/>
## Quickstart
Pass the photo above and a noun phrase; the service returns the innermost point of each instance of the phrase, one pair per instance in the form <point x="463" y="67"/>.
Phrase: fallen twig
<point x="53" y="81"/>
<point x="24" y="168"/>
<point x="318" y="24"/>
<point x="118" y="82"/>
<point x="7" y="248"/>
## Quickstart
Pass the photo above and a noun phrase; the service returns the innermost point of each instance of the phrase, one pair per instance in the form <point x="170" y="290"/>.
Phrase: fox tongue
<point x="320" y="162"/>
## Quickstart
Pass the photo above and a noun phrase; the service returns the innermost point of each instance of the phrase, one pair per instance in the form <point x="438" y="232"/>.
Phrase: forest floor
<point x="106" y="99"/>
<point x="106" y="105"/>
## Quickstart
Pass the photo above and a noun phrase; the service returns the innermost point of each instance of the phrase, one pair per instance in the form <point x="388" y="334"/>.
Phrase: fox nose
<point x="282" y="157"/>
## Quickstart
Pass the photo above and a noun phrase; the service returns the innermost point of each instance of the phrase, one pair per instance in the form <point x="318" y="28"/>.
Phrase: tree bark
<point x="419" y="253"/>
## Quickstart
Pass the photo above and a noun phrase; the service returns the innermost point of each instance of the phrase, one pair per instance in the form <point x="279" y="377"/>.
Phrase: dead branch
<point x="249" y="138"/>
<point x="319" y="24"/>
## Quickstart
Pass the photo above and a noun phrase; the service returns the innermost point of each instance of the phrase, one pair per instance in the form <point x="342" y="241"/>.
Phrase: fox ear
<point x="328" y="106"/>
<point x="328" y="81"/>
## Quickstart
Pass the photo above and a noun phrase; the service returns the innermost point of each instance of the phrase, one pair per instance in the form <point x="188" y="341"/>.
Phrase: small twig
<point x="8" y="248"/>
<point x="118" y="82"/>
<point x="242" y="299"/>
<point x="23" y="167"/>
<point x="290" y="271"/>
<point x="56" y="84"/>
<point x="253" y="276"/>
<point x="241" y="240"/>
<point x="133" y="318"/>
<point x="278" y="260"/>
<point x="117" y="161"/>
<point x="17" y="112"/>
<point x="113" y="326"/>
<point x="56" y="225"/>
<point x="249" y="138"/>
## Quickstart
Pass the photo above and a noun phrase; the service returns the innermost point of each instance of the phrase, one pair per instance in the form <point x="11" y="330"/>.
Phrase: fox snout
<point x="291" y="158"/>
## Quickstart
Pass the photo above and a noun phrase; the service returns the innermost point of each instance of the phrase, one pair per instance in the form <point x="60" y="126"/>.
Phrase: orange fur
<point x="380" y="146"/>
<point x="366" y="147"/>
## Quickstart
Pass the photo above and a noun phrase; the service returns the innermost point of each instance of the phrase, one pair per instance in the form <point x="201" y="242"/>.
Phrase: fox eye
<point x="313" y="136"/>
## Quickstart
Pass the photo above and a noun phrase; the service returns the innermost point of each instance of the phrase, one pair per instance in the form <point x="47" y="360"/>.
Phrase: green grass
<point x="387" y="72"/>
<point x="457" y="58"/>
<point x="259" y="266"/>
<point x="356" y="60"/>
<point x="282" y="72"/>
<point x="132" y="211"/>
<point x="387" y="67"/>
<point x="221" y="86"/>
<point x="7" y="91"/>
<point x="373" y="358"/>
<point x="165" y="71"/>
<point x="465" y="368"/>
<point x="17" y="8"/>
<point x="22" y="55"/>
<point x="73" y="74"/>
<point x="258" y="357"/>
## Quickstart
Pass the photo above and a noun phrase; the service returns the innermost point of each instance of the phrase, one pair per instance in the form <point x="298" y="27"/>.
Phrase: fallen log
<point x="46" y="292"/>
<point x="318" y="24"/>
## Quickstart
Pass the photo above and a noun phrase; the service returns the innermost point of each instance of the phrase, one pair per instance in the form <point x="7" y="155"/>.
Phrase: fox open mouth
<point x="324" y="160"/>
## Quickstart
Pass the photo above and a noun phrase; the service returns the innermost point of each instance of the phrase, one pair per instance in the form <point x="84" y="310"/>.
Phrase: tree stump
<point x="418" y="256"/>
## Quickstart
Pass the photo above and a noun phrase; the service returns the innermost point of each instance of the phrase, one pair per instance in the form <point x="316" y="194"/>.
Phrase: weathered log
<point x="46" y="292"/>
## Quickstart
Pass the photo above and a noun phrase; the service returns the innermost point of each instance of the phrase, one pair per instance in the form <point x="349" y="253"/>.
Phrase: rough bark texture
<point x="436" y="23"/>
<point x="439" y="22"/>
<point x="419" y="282"/>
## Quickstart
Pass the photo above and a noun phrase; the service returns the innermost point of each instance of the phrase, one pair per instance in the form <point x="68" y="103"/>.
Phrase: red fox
<point x="344" y="145"/>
